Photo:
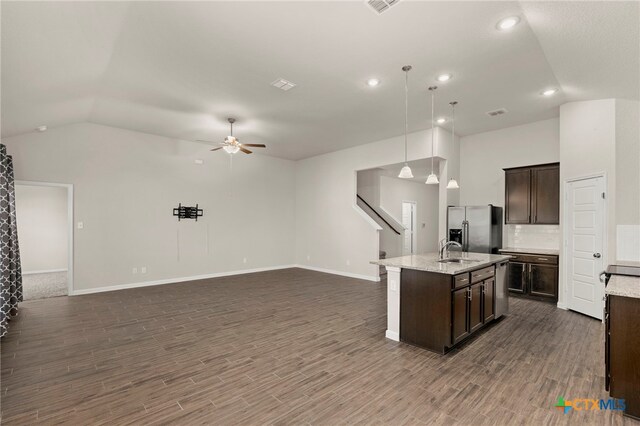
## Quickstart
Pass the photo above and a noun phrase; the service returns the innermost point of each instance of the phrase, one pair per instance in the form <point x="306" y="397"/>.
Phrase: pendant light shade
<point x="453" y="184"/>
<point x="432" y="179"/>
<point x="406" y="173"/>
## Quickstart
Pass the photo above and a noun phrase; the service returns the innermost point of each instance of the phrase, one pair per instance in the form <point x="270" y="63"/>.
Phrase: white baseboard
<point x="44" y="271"/>
<point x="79" y="292"/>
<point x="392" y="335"/>
<point x="563" y="306"/>
<point x="334" y="272"/>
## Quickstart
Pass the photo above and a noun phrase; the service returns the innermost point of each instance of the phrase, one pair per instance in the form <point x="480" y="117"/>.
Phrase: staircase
<point x="382" y="271"/>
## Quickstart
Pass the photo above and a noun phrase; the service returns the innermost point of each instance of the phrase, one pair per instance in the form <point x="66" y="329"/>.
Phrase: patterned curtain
<point x="10" y="269"/>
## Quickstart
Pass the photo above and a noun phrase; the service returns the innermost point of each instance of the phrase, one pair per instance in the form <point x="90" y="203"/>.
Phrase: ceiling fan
<point x="232" y="145"/>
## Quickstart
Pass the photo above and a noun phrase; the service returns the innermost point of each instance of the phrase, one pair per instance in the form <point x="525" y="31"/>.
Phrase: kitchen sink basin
<point x="457" y="260"/>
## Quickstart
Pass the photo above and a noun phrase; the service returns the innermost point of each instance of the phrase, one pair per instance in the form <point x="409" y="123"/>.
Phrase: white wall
<point x="394" y="191"/>
<point x="126" y="185"/>
<point x="588" y="147"/>
<point x="628" y="180"/>
<point x="42" y="227"/>
<point x="484" y="155"/>
<point x="330" y="233"/>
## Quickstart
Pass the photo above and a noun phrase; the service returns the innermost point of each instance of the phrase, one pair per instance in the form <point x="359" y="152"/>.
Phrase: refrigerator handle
<point x="465" y="236"/>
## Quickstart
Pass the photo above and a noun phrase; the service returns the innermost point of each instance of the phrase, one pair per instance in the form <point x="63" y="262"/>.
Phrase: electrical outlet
<point x="308" y="257"/>
<point x="244" y="260"/>
<point x="143" y="270"/>
<point x="394" y="285"/>
<point x="80" y="225"/>
<point x="348" y="262"/>
<point x="135" y="270"/>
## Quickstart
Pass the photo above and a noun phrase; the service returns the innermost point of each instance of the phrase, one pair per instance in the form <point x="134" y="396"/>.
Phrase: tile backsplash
<point x="532" y="236"/>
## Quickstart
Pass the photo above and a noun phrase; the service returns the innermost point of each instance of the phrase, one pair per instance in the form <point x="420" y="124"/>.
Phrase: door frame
<point x="414" y="219"/>
<point x="69" y="188"/>
<point x="565" y="222"/>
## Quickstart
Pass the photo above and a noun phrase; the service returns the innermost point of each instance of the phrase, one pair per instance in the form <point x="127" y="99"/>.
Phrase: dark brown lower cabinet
<point x="488" y="297"/>
<point x="438" y="311"/>
<point x="543" y="280"/>
<point x="622" y="351"/>
<point x="534" y="276"/>
<point x="475" y="307"/>
<point x="516" y="277"/>
<point x="460" y="326"/>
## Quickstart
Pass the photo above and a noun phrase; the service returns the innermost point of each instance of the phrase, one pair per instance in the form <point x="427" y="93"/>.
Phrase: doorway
<point x="409" y="223"/>
<point x="45" y="235"/>
<point x="585" y="222"/>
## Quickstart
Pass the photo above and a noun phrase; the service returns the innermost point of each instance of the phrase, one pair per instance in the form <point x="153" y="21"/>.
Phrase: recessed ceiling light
<point x="441" y="120"/>
<point x="549" y="92"/>
<point x="444" y="77"/>
<point x="373" y="82"/>
<point x="41" y="128"/>
<point x="508" y="23"/>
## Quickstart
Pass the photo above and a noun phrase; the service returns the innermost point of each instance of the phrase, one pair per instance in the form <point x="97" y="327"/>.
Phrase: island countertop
<point x="429" y="262"/>
<point x="620" y="285"/>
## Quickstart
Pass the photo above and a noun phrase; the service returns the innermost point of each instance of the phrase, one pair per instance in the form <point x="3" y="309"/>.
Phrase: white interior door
<point x="585" y="257"/>
<point x="409" y="223"/>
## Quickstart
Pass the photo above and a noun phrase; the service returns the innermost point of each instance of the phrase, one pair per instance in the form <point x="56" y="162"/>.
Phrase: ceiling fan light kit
<point x="232" y="144"/>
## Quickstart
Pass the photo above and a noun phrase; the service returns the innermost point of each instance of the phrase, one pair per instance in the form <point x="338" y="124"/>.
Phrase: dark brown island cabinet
<point x="533" y="276"/>
<point x="622" y="351"/>
<point x="438" y="311"/>
<point x="532" y="195"/>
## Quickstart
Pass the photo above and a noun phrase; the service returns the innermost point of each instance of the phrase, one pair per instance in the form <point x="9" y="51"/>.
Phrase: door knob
<point x="596" y="255"/>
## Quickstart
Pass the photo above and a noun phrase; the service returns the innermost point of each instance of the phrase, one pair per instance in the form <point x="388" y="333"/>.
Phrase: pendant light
<point x="406" y="173"/>
<point x="453" y="184"/>
<point x="432" y="179"/>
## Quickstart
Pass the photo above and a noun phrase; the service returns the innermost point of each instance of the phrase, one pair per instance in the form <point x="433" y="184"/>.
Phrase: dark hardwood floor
<point x="286" y="347"/>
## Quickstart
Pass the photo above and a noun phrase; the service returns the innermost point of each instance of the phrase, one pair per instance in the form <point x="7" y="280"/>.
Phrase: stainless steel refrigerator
<point x="477" y="228"/>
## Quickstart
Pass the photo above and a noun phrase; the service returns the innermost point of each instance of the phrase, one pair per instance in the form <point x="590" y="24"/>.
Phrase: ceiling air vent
<point x="283" y="84"/>
<point x="497" y="112"/>
<point x="380" y="6"/>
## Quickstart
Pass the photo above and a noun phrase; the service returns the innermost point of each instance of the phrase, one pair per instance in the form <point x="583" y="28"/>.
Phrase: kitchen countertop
<point x="531" y="250"/>
<point x="620" y="285"/>
<point x="429" y="262"/>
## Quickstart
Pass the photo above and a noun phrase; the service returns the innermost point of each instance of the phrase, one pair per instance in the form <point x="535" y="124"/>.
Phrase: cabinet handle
<point x="470" y="294"/>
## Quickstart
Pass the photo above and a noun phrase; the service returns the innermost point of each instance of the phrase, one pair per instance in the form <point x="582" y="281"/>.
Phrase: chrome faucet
<point x="444" y="246"/>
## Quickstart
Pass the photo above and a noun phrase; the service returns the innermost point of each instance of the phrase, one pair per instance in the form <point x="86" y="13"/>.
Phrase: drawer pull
<point x="542" y="258"/>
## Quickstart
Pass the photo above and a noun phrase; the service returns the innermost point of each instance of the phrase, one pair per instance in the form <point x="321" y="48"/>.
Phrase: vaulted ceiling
<point x="179" y="69"/>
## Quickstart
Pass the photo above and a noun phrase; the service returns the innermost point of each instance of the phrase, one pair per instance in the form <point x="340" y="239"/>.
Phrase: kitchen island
<point x="436" y="304"/>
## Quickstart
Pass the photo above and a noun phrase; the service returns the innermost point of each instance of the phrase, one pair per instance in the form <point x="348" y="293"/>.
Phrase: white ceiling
<point x="179" y="69"/>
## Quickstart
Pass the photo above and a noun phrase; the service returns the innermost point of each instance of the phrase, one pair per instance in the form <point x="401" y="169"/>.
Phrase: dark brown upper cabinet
<point x="532" y="195"/>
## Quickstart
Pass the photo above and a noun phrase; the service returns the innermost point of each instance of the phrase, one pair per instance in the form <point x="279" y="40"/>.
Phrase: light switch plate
<point x="143" y="270"/>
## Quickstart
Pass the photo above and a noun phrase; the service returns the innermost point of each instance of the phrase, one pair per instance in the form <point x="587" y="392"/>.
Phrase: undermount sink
<point x="457" y="260"/>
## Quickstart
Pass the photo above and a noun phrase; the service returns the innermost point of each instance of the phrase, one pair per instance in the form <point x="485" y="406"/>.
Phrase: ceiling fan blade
<point x="256" y="145"/>
<point x="246" y="151"/>
<point x="215" y="149"/>
<point x="201" y="140"/>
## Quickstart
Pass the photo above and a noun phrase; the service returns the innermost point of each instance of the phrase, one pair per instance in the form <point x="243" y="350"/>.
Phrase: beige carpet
<point x="42" y="286"/>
